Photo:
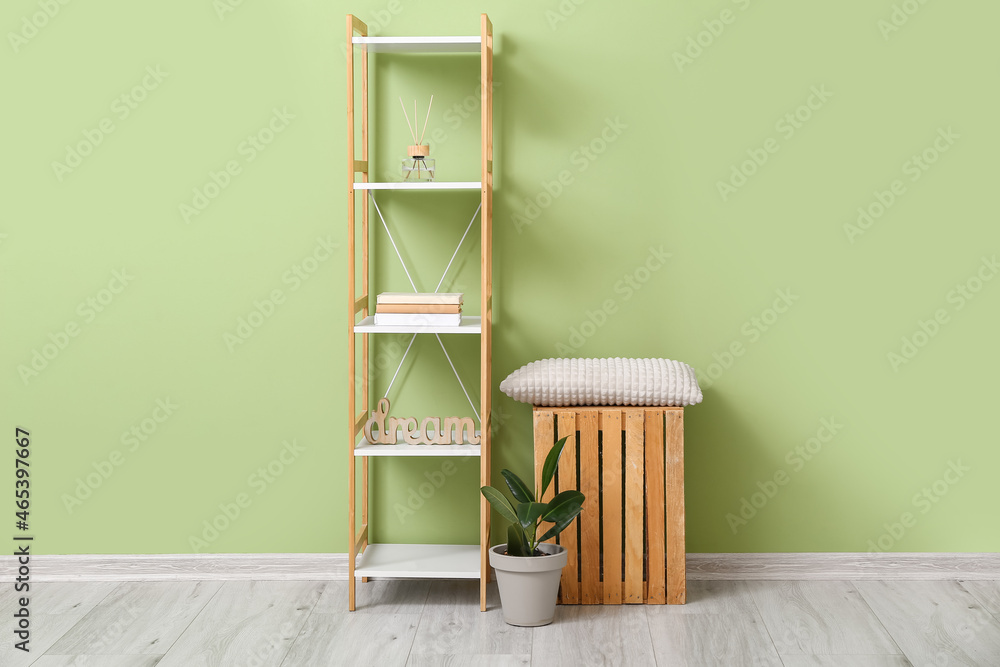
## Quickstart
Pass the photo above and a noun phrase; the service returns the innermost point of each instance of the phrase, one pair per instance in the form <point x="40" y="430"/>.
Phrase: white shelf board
<point x="368" y="449"/>
<point x="423" y="185"/>
<point x="470" y="325"/>
<point x="455" y="44"/>
<point x="420" y="561"/>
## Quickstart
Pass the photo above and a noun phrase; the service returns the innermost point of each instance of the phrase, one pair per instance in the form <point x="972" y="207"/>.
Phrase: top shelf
<point x="421" y="44"/>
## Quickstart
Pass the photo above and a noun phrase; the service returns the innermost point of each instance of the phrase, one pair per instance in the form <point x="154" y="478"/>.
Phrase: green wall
<point x="849" y="367"/>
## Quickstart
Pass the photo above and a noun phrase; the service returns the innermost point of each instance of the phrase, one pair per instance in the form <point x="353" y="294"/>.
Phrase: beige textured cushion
<point x="613" y="381"/>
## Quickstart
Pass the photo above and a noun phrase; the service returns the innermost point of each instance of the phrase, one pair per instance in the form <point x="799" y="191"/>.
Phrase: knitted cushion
<point x="617" y="381"/>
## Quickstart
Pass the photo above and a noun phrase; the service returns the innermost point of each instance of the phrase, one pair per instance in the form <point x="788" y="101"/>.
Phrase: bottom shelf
<point x="420" y="561"/>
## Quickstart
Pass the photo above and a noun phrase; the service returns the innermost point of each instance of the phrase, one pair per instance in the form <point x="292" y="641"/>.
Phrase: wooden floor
<point x="295" y="624"/>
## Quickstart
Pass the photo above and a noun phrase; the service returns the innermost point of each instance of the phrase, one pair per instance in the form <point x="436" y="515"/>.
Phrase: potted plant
<point x="528" y="570"/>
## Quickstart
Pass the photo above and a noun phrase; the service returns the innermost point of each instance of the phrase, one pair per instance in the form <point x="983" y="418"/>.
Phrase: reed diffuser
<point x="418" y="165"/>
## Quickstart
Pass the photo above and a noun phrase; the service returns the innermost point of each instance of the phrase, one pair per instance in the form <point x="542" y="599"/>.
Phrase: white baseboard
<point x="843" y="566"/>
<point x="179" y="567"/>
<point x="333" y="567"/>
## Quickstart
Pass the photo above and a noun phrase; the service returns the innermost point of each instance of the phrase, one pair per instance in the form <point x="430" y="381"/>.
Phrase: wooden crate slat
<point x="569" y="589"/>
<point x="656" y="539"/>
<point x="544" y="440"/>
<point x="590" y="518"/>
<point x="634" y="423"/>
<point x="676" y="549"/>
<point x="611" y="497"/>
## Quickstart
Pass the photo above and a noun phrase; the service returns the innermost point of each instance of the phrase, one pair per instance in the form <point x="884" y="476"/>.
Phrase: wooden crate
<point x="628" y="544"/>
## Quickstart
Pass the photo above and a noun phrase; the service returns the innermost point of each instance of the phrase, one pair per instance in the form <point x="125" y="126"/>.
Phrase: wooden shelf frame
<point x="398" y="560"/>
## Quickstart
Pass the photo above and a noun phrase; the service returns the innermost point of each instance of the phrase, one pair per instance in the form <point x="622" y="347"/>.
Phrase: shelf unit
<point x="461" y="561"/>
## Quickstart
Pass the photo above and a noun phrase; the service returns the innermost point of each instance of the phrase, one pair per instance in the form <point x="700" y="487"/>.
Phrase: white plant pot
<point x="528" y="585"/>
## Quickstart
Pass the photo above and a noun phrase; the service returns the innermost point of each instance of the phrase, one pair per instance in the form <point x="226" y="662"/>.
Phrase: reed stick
<point x="424" y="131"/>
<point x="412" y="133"/>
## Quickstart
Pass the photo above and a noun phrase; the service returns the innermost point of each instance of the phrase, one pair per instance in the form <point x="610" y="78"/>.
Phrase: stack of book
<point x="419" y="309"/>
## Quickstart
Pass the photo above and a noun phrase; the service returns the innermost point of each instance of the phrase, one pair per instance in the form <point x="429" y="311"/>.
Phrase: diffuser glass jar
<point x="418" y="169"/>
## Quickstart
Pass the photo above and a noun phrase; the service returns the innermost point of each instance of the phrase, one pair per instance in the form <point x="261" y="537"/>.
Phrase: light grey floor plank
<point x="711" y="597"/>
<point x="845" y="661"/>
<point x="97" y="661"/>
<point x="711" y="640"/>
<point x="819" y="618"/>
<point x="987" y="593"/>
<point x="54" y="609"/>
<point x="383" y="640"/>
<point x="137" y="618"/>
<point x="594" y="635"/>
<point x="392" y="596"/>
<point x="479" y="660"/>
<point x="451" y="623"/>
<point x="123" y="625"/>
<point x="935" y="622"/>
<point x="246" y="622"/>
<point x="719" y="625"/>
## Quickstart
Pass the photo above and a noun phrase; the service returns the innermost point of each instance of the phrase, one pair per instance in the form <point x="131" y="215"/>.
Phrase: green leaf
<point x="557" y="528"/>
<point x="549" y="467"/>
<point x="528" y="513"/>
<point x="515" y="542"/>
<point x="567" y="503"/>
<point x="518" y="489"/>
<point x="500" y="503"/>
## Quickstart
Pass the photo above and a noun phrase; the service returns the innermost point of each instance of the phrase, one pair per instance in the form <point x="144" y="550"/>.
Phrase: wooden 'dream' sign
<point x="429" y="431"/>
